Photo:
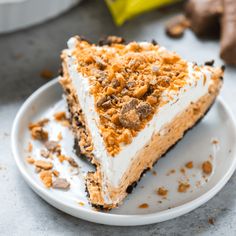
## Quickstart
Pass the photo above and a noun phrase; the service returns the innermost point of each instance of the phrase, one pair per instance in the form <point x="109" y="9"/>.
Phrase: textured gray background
<point x="24" y="54"/>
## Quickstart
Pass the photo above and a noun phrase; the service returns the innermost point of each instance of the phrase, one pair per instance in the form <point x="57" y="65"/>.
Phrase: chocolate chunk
<point x="204" y="16"/>
<point x="154" y="42"/>
<point x="61" y="183"/>
<point x="176" y="26"/>
<point x="144" y="109"/>
<point x="209" y="63"/>
<point x="228" y="32"/>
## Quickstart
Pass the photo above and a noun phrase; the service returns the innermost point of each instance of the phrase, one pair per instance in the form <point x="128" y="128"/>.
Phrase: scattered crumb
<point x="53" y="146"/>
<point x="176" y="26"/>
<point x="207" y="167"/>
<point x="30" y="160"/>
<point x="81" y="203"/>
<point x="170" y="172"/>
<point x="56" y="173"/>
<point x="154" y="173"/>
<point x="189" y="165"/>
<point x="198" y="184"/>
<point x="30" y="147"/>
<point x="61" y="118"/>
<point x="37" y="169"/>
<point x="182" y="170"/>
<point x="183" y="187"/>
<point x="43" y="165"/>
<point x="46" y="74"/>
<point x="162" y="191"/>
<point x="61" y="183"/>
<point x="59" y="136"/>
<point x="62" y="158"/>
<point x="215" y="141"/>
<point x="211" y="221"/>
<point x="44" y="153"/>
<point x="144" y="205"/>
<point x="46" y="177"/>
<point x="72" y="162"/>
<point x="38" y="133"/>
<point x="40" y="123"/>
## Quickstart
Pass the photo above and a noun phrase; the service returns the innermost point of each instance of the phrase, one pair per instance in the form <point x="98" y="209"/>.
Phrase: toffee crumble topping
<point x="127" y="82"/>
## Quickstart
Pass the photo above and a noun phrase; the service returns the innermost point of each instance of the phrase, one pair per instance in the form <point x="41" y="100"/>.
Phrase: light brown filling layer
<point x="158" y="145"/>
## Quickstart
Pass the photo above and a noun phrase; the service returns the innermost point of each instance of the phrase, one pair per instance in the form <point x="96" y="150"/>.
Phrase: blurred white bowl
<point x="18" y="14"/>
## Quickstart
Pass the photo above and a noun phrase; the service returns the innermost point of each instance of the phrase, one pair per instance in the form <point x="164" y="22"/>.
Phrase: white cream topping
<point x="113" y="168"/>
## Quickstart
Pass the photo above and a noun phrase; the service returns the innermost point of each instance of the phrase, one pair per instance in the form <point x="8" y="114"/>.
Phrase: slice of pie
<point x="129" y="104"/>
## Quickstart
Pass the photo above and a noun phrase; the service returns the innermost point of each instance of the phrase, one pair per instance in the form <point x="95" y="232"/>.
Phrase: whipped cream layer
<point x="113" y="168"/>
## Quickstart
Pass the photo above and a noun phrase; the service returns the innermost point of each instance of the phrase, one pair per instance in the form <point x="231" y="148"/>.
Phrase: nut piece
<point x="189" y="165"/>
<point x="61" y="183"/>
<point x="207" y="167"/>
<point x="43" y="165"/>
<point x="144" y="110"/>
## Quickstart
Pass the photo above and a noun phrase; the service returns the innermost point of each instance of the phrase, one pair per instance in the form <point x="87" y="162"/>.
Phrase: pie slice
<point x="129" y="104"/>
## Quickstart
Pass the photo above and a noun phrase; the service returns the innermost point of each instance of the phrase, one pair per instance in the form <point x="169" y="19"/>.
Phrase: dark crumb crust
<point x="131" y="187"/>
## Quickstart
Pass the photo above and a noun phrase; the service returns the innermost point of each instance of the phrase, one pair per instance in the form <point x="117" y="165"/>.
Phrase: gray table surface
<point x="24" y="54"/>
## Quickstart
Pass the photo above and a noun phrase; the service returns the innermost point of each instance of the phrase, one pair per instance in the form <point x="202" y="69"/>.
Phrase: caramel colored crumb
<point x="30" y="160"/>
<point x="46" y="74"/>
<point x="46" y="177"/>
<point x="30" y="147"/>
<point x="38" y="133"/>
<point x="214" y="141"/>
<point x="211" y="221"/>
<point x="144" y="205"/>
<point x="182" y="170"/>
<point x="61" y="118"/>
<point x="207" y="167"/>
<point x="162" y="191"/>
<point x="45" y="153"/>
<point x="43" y="165"/>
<point x="183" y="187"/>
<point x="81" y="203"/>
<point x="62" y="158"/>
<point x="170" y="172"/>
<point x="40" y="123"/>
<point x="59" y="136"/>
<point x="154" y="173"/>
<point x="56" y="173"/>
<point x="189" y="165"/>
<point x="72" y="162"/>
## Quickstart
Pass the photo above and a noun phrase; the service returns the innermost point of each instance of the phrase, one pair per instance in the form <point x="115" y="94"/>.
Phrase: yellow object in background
<point x="123" y="10"/>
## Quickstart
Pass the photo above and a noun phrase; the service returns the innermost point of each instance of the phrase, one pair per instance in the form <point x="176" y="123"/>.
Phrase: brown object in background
<point x="176" y="26"/>
<point x="228" y="32"/>
<point x="204" y="16"/>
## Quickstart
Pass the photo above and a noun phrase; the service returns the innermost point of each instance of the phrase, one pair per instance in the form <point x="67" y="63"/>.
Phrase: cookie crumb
<point x="53" y="146"/>
<point x="72" y="162"/>
<point x="30" y="147"/>
<point x="189" y="165"/>
<point x="207" y="167"/>
<point x="46" y="177"/>
<point x="40" y="123"/>
<point x="172" y="171"/>
<point x="56" y="173"/>
<point x="30" y="160"/>
<point x="61" y="183"/>
<point x="183" y="187"/>
<point x="43" y="165"/>
<point x="154" y="173"/>
<point x="81" y="203"/>
<point x="38" y="133"/>
<point x="59" y="136"/>
<point x="61" y="118"/>
<point x="162" y="191"/>
<point x="62" y="158"/>
<point x="182" y="170"/>
<point x="215" y="141"/>
<point x="144" y="205"/>
<point x="44" y="153"/>
<point x="37" y="169"/>
<point x="211" y="221"/>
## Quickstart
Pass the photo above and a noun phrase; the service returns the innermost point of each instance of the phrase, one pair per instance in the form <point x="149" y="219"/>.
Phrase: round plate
<point x="212" y="139"/>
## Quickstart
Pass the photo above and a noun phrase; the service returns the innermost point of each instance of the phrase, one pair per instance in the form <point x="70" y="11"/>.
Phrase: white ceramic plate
<point x="196" y="146"/>
<point x="19" y="14"/>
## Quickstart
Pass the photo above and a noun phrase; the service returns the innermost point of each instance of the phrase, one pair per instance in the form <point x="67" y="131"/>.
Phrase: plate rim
<point x="108" y="218"/>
